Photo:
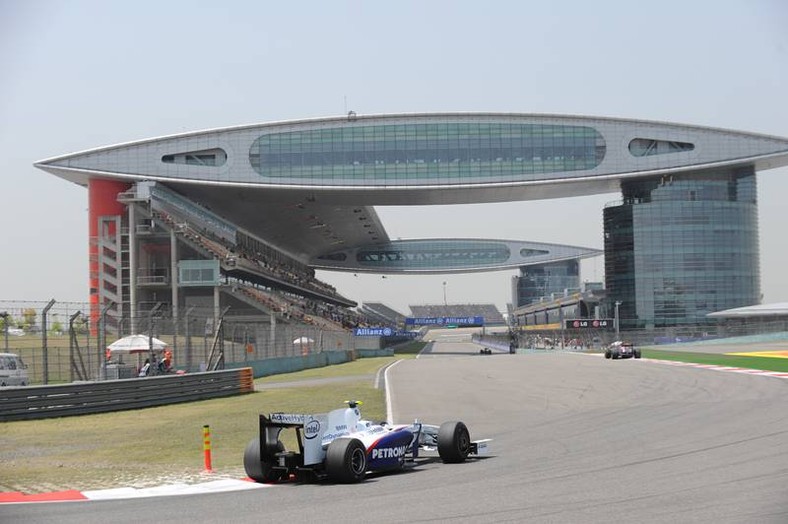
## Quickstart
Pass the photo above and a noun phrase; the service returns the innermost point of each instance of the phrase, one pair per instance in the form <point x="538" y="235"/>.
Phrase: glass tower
<point x="681" y="246"/>
<point x="540" y="280"/>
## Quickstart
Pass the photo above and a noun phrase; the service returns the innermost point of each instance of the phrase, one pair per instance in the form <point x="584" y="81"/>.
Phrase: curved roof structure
<point x="308" y="186"/>
<point x="447" y="255"/>
<point x="777" y="309"/>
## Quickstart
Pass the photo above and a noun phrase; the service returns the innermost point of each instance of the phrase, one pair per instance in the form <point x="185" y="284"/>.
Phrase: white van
<point x="13" y="372"/>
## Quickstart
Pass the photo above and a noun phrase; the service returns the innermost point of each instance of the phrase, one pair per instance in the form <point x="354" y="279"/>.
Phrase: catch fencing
<point x="61" y="345"/>
<point x="595" y="339"/>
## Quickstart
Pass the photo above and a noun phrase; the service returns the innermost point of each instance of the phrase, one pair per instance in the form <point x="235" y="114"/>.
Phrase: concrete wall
<point x="276" y="366"/>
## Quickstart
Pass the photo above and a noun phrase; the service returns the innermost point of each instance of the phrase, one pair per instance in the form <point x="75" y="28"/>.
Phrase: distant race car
<point x="342" y="447"/>
<point x="621" y="349"/>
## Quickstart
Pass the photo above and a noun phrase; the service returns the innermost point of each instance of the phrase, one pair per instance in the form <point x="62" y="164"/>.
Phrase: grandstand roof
<point x="777" y="309"/>
<point x="308" y="186"/>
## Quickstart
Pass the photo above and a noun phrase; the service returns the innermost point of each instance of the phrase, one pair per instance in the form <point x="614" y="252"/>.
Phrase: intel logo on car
<point x="311" y="429"/>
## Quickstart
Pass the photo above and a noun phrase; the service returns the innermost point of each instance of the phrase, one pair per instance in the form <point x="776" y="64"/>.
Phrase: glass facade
<point x="430" y="255"/>
<point x="541" y="280"/>
<point x="681" y="247"/>
<point x="198" y="273"/>
<point x="438" y="152"/>
<point x="444" y="254"/>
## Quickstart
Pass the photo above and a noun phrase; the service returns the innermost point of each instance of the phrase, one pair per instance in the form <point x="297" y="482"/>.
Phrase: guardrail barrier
<point x="37" y="402"/>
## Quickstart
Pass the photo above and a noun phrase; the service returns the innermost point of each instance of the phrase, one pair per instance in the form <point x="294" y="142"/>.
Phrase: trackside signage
<point x="590" y="323"/>
<point x="444" y="321"/>
<point x="373" y="332"/>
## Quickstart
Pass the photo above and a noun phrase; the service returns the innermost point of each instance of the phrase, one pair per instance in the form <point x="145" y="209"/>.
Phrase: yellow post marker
<point x="206" y="447"/>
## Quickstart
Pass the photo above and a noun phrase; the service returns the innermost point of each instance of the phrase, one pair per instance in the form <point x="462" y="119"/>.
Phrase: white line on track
<point x="216" y="486"/>
<point x="389" y="410"/>
<point x="713" y="367"/>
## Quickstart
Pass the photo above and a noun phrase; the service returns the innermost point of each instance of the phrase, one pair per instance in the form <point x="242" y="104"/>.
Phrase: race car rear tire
<point x="346" y="460"/>
<point x="256" y="468"/>
<point x="607" y="354"/>
<point x="454" y="442"/>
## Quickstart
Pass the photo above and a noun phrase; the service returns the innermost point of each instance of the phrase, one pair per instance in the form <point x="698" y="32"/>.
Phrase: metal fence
<point x="59" y="343"/>
<point x="599" y="338"/>
<point x="62" y="400"/>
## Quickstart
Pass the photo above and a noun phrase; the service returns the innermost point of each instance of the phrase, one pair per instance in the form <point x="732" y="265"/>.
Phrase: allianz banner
<point x="444" y="321"/>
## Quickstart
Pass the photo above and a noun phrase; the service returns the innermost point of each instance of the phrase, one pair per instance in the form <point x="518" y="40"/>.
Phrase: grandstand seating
<point x="287" y="306"/>
<point x="384" y="314"/>
<point x="488" y="311"/>
<point x="231" y="255"/>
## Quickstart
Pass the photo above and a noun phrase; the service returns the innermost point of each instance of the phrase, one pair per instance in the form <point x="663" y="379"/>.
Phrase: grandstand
<point x="211" y="253"/>
<point x="383" y="314"/>
<point x="490" y="313"/>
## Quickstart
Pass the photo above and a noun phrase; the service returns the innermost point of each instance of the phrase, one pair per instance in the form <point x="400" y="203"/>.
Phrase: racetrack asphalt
<point x="577" y="438"/>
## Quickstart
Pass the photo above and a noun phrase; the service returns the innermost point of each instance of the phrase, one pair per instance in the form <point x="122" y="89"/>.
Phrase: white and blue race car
<point x="342" y="447"/>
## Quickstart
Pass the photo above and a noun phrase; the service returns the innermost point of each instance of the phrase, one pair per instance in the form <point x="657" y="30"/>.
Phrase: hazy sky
<point x="81" y="74"/>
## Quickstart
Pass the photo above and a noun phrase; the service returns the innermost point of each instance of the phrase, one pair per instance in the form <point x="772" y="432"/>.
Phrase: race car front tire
<point x="256" y="468"/>
<point x="454" y="442"/>
<point x="346" y="460"/>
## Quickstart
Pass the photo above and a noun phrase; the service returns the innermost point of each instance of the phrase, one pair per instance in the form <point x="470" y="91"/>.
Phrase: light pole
<point x="44" y="345"/>
<point x="186" y="322"/>
<point x="154" y="368"/>
<point x="444" y="294"/>
<point x="4" y="316"/>
<point x="102" y="346"/>
<point x="618" y="303"/>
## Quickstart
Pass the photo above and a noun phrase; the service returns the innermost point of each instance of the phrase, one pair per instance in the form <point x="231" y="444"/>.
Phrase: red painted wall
<point x="102" y="201"/>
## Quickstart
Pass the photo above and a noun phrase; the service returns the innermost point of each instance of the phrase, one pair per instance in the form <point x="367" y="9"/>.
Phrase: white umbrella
<point x="303" y="340"/>
<point x="136" y="344"/>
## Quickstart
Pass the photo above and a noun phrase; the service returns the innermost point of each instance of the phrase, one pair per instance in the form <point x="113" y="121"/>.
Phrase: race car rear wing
<point x="309" y="431"/>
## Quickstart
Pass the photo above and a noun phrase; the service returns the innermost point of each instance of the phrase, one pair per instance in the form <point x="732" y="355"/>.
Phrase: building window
<point x="649" y="147"/>
<point x="209" y="157"/>
<point x="449" y="152"/>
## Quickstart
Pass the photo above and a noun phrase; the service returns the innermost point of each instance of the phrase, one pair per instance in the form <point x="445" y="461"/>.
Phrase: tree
<point x="29" y="315"/>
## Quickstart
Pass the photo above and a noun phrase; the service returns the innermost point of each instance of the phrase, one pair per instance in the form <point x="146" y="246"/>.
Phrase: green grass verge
<point x="144" y="446"/>
<point x="764" y="363"/>
<point x="411" y="348"/>
<point x="362" y="366"/>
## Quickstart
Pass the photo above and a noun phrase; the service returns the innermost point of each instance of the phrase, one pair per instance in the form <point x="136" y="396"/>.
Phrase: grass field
<point x="164" y="444"/>
<point x="764" y="363"/>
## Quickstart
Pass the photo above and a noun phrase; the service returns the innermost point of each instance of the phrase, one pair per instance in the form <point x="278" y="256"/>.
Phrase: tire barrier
<point x="38" y="402"/>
